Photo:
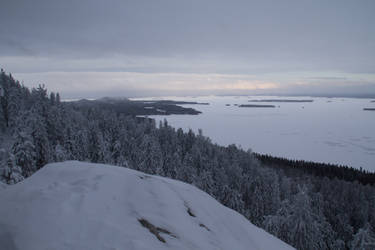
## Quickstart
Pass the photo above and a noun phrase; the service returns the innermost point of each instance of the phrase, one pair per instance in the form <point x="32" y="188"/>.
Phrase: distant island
<point x="171" y="102"/>
<point x="280" y="100"/>
<point x="369" y="109"/>
<point x="138" y="107"/>
<point x="255" y="106"/>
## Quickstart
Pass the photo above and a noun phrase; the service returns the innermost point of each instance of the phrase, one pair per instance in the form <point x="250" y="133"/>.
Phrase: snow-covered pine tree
<point x="60" y="154"/>
<point x="24" y="152"/>
<point x="295" y="222"/>
<point x="364" y="239"/>
<point x="12" y="173"/>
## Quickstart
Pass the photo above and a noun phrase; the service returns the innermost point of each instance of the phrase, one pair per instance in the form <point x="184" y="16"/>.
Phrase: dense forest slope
<point x="76" y="205"/>
<point x="330" y="171"/>
<point x="307" y="209"/>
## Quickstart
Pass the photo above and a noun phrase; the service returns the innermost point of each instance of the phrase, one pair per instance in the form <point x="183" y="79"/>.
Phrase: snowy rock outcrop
<point x="77" y="205"/>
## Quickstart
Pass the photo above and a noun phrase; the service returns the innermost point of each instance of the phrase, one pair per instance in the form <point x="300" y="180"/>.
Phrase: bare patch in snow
<point x="204" y="226"/>
<point x="155" y="230"/>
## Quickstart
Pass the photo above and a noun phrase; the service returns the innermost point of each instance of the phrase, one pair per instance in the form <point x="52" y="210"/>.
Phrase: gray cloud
<point x="325" y="78"/>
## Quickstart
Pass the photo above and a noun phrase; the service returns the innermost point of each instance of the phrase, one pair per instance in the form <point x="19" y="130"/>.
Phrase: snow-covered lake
<point x="330" y="130"/>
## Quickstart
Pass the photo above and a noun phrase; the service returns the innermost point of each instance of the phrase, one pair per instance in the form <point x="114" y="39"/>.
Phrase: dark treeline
<point x="307" y="211"/>
<point x="318" y="169"/>
<point x="129" y="107"/>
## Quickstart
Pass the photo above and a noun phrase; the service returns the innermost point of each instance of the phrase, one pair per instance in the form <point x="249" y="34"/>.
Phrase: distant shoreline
<point x="280" y="100"/>
<point x="255" y="106"/>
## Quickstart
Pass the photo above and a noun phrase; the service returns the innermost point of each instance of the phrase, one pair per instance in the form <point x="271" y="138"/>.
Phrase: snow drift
<point x="77" y="205"/>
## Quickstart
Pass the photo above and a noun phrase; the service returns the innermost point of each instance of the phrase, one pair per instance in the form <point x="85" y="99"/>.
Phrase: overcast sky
<point x="98" y="48"/>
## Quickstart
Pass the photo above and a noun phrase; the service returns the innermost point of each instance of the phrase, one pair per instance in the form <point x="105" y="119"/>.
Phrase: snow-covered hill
<point x="77" y="205"/>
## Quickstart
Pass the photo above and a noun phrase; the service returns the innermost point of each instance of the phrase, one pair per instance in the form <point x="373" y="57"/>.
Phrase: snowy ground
<point x="76" y="205"/>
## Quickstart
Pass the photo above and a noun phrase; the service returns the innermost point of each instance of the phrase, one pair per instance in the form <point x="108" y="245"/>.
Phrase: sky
<point x="90" y="49"/>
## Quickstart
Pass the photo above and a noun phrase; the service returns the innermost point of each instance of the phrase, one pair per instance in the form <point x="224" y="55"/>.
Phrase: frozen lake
<point x="330" y="130"/>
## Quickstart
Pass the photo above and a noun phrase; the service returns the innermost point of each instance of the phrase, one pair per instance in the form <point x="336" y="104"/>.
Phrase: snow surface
<point x="77" y="205"/>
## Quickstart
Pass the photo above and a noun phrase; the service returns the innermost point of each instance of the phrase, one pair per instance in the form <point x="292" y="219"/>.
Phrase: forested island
<point x="369" y="109"/>
<point x="255" y="106"/>
<point x="308" y="205"/>
<point x="138" y="107"/>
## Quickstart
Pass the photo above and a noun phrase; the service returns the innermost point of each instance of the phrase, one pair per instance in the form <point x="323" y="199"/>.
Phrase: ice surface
<point x="77" y="205"/>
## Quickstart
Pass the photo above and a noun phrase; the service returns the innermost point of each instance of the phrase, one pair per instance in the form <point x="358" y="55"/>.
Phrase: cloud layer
<point x="278" y="43"/>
